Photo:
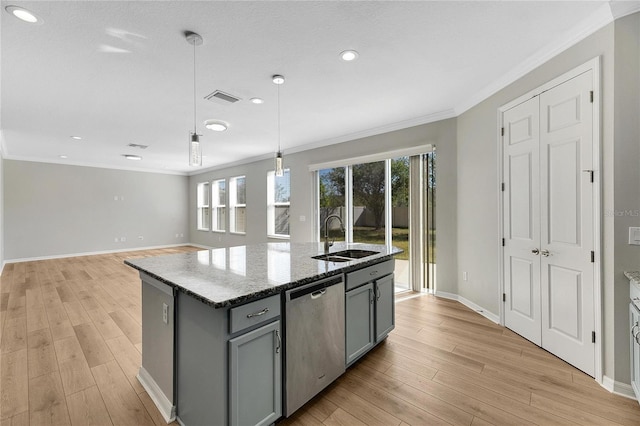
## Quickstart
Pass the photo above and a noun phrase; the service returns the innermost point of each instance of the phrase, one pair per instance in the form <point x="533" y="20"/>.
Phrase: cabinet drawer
<point x="361" y="276"/>
<point x="254" y="313"/>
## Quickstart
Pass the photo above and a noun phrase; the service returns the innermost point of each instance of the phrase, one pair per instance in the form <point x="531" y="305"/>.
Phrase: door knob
<point x="545" y="253"/>
<point x="535" y="251"/>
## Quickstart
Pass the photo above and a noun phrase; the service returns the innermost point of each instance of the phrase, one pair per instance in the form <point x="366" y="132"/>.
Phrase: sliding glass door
<point x="389" y="202"/>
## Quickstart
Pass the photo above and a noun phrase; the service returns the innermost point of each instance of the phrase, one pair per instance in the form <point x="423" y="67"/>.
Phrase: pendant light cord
<point x="278" y="116"/>
<point x="194" y="88"/>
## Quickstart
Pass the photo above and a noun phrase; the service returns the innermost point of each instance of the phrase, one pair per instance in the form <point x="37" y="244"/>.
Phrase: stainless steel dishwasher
<point x="314" y="339"/>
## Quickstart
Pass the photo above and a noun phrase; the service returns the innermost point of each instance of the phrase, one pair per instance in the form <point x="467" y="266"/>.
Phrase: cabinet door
<point x="255" y="380"/>
<point x="359" y="321"/>
<point x="385" y="306"/>
<point x="635" y="350"/>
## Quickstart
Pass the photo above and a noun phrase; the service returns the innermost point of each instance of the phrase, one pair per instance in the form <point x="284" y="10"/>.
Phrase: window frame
<point x="272" y="205"/>
<point x="215" y="196"/>
<point x="233" y="204"/>
<point x="200" y="207"/>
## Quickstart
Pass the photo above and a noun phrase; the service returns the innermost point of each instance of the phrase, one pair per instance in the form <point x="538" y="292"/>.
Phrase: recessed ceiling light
<point x="63" y="156"/>
<point x="216" y="125"/>
<point x="132" y="157"/>
<point x="23" y="14"/>
<point x="257" y="100"/>
<point x="76" y="137"/>
<point x="349" y="55"/>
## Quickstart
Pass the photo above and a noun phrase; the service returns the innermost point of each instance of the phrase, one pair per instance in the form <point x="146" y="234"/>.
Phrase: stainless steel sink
<point x="344" y="255"/>
<point x="355" y="253"/>
<point x="331" y="257"/>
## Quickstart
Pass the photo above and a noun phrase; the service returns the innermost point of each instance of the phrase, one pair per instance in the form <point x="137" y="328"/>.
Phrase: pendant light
<point x="279" y="80"/>
<point x="195" y="151"/>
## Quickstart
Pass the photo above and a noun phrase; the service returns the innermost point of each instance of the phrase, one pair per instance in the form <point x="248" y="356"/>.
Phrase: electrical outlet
<point x="117" y="240"/>
<point x="181" y="235"/>
<point x="165" y="313"/>
<point x="140" y="237"/>
<point x="123" y="239"/>
<point x="303" y="218"/>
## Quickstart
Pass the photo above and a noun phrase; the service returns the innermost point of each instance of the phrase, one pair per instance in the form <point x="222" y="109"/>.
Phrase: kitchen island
<point x="215" y="340"/>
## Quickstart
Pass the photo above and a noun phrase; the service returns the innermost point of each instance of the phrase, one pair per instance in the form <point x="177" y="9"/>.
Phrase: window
<point x="237" y="204"/>
<point x="219" y="205"/>
<point x="202" y="204"/>
<point x="278" y="200"/>
<point x="332" y="200"/>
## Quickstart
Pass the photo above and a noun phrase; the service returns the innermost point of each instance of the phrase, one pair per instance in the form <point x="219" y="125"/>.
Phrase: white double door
<point x="548" y="221"/>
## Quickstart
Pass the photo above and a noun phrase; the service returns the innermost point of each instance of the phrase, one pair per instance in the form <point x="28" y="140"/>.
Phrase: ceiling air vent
<point x="136" y="145"/>
<point x="219" y="95"/>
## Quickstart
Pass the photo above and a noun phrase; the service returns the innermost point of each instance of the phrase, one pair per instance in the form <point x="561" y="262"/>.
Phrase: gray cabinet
<point x="156" y="373"/>
<point x="255" y="379"/>
<point x="369" y="308"/>
<point x="385" y="306"/>
<point x="229" y="365"/>
<point x="359" y="320"/>
<point x="634" y="315"/>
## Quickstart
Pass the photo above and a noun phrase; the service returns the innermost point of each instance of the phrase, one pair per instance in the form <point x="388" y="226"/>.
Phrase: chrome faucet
<point x="328" y="244"/>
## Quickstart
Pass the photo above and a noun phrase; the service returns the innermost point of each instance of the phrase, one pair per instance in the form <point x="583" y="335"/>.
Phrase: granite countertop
<point x="634" y="277"/>
<point x="224" y="277"/>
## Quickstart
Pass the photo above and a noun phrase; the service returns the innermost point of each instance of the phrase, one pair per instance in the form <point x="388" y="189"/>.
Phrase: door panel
<point x="522" y="219"/>
<point x="522" y="297"/>
<point x="520" y="203"/>
<point x="566" y="144"/>
<point x="563" y="177"/>
<point x="565" y="306"/>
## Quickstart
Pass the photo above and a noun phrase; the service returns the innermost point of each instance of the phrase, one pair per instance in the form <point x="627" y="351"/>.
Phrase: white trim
<point x="593" y="23"/>
<point x="93" y="253"/>
<point x="400" y="125"/>
<point x="93" y="165"/>
<point x="621" y="9"/>
<point x="594" y="66"/>
<point x="3" y="146"/>
<point x="469" y="304"/>
<point x="165" y="407"/>
<point x="370" y="158"/>
<point x="618" y="388"/>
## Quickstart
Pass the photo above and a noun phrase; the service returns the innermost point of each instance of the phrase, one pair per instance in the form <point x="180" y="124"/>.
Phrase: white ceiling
<point x="117" y="73"/>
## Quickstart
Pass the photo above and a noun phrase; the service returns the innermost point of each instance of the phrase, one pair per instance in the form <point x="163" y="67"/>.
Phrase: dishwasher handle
<point x="315" y="289"/>
<point x="319" y="293"/>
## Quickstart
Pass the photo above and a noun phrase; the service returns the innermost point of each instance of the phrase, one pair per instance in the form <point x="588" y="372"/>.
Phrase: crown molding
<point x="602" y="17"/>
<point x="400" y="125"/>
<point x="620" y="9"/>
<point x="93" y="165"/>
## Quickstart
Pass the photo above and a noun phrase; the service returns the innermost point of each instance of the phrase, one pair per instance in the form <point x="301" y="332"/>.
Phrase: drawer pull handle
<point x="318" y="293"/>
<point x="373" y="273"/>
<point x="279" y="342"/>
<point x="257" y="314"/>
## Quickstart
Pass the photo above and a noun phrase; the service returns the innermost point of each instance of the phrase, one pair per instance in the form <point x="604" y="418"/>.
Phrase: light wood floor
<point x="70" y="348"/>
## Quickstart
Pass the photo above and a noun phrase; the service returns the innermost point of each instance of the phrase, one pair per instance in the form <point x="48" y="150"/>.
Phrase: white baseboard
<point x="166" y="407"/>
<point x="92" y="253"/>
<point x="618" y="388"/>
<point x="469" y="304"/>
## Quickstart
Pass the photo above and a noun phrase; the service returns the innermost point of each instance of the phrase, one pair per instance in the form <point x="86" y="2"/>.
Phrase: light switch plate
<point x="634" y="236"/>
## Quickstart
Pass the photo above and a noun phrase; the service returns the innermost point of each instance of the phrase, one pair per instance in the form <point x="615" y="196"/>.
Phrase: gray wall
<point x="478" y="194"/>
<point x="53" y="209"/>
<point x="626" y="168"/>
<point x="441" y="134"/>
